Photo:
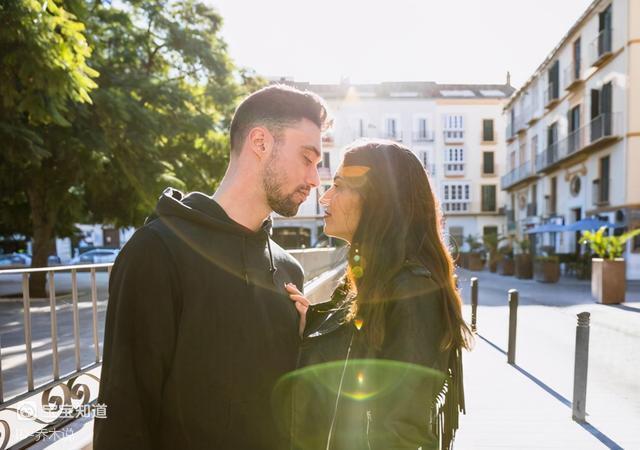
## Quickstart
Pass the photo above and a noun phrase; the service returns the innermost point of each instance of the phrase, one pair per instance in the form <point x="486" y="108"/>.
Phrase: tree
<point x="158" y="117"/>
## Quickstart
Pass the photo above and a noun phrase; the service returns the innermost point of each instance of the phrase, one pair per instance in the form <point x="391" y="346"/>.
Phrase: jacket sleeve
<point x="413" y="333"/>
<point x="140" y="332"/>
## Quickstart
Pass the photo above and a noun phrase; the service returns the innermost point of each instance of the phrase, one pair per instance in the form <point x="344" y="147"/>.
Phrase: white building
<point x="455" y="130"/>
<point x="573" y="132"/>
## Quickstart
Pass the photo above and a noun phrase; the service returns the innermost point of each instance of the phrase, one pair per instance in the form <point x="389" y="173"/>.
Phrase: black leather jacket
<point x="360" y="398"/>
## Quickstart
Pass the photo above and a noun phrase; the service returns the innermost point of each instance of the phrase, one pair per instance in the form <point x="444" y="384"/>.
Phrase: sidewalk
<point x="528" y="406"/>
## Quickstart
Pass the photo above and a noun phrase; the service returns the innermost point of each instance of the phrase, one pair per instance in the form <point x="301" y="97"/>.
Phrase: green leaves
<point x="607" y="247"/>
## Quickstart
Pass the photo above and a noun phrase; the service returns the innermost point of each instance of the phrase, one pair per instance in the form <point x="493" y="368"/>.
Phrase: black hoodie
<point x="199" y="328"/>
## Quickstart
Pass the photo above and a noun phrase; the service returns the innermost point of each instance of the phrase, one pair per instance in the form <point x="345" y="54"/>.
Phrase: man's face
<point x="292" y="169"/>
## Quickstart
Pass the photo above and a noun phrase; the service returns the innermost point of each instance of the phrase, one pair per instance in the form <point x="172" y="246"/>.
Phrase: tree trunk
<point x="43" y="220"/>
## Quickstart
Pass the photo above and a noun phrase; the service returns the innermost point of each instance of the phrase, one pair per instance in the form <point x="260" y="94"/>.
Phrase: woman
<point x="396" y="313"/>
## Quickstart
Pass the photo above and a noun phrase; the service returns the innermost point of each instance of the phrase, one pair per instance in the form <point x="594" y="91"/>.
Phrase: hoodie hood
<point x="203" y="210"/>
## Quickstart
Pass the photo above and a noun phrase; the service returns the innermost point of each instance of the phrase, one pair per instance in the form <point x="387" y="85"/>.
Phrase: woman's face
<point x="343" y="204"/>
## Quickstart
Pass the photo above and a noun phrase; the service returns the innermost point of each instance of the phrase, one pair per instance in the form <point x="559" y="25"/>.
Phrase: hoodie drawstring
<point x="244" y="260"/>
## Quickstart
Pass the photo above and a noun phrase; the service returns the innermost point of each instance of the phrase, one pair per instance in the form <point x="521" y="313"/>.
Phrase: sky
<point x="447" y="41"/>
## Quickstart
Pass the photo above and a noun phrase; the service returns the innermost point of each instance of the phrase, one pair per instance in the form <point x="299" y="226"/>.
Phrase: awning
<point x="590" y="224"/>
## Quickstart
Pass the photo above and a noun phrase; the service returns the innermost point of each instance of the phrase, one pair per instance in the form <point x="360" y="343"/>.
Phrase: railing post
<point x="474" y="303"/>
<point x="581" y="365"/>
<point x="513" y="322"/>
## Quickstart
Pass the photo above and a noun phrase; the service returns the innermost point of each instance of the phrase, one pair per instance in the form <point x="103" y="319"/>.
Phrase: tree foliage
<point x="102" y="106"/>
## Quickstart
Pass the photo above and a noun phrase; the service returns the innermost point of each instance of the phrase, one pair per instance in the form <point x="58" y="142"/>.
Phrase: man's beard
<point x="281" y="203"/>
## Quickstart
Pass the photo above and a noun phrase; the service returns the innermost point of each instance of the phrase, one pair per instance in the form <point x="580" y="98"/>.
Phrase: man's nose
<point x="314" y="179"/>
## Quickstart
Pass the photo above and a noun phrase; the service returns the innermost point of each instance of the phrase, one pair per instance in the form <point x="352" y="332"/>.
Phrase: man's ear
<point x="260" y="142"/>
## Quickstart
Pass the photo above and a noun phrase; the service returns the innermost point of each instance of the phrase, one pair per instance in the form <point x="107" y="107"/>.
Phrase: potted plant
<point x="524" y="262"/>
<point x="491" y="242"/>
<point x="506" y="264"/>
<point x="547" y="269"/>
<point x="474" y="257"/>
<point x="608" y="275"/>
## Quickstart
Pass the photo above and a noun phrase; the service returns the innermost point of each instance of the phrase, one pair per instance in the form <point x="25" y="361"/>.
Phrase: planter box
<point x="524" y="266"/>
<point x="507" y="266"/>
<point x="547" y="271"/>
<point x="608" y="280"/>
<point x="475" y="261"/>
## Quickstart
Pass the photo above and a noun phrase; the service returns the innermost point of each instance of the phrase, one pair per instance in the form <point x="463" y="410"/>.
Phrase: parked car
<point x="97" y="256"/>
<point x="15" y="261"/>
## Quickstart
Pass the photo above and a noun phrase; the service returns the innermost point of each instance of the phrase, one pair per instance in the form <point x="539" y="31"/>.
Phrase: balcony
<point x="423" y="136"/>
<point x="456" y="206"/>
<point x="519" y="174"/>
<point x="600" y="48"/>
<point x="600" y="132"/>
<point x="600" y="191"/>
<point x="453" y="136"/>
<point x="572" y="78"/>
<point x="551" y="95"/>
<point x="454" y="169"/>
<point x="532" y="209"/>
<point x="392" y="135"/>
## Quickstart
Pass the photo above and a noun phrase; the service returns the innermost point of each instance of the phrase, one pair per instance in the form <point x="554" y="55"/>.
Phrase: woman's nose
<point x="325" y="199"/>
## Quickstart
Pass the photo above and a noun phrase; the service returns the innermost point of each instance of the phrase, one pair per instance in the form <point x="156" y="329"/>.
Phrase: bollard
<point x="513" y="322"/>
<point x="474" y="303"/>
<point x="581" y="365"/>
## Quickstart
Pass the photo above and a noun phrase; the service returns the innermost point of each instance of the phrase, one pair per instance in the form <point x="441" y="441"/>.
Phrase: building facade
<point x="456" y="131"/>
<point x="573" y="132"/>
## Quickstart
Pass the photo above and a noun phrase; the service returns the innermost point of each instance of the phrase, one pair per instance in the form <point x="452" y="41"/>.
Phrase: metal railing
<point x="518" y="174"/>
<point x="571" y="75"/>
<point x="601" y="46"/>
<point x="456" y="206"/>
<point x="391" y="135"/>
<point x="453" y="136"/>
<point x="454" y="168"/>
<point x="423" y="136"/>
<point x="601" y="128"/>
<point x="551" y="94"/>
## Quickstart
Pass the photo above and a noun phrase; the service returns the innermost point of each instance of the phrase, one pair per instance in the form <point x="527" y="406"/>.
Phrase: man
<point x="199" y="326"/>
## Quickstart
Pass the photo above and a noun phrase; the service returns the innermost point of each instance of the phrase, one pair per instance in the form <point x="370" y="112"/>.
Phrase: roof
<point x="406" y="90"/>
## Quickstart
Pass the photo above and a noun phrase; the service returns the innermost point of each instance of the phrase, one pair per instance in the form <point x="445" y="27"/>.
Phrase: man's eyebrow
<point x="312" y="148"/>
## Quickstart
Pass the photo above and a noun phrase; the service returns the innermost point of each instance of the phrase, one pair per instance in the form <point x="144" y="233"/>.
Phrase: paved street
<point x="529" y="406"/>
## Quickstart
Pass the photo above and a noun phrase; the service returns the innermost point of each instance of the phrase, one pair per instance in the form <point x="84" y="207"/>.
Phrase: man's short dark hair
<point x="276" y="107"/>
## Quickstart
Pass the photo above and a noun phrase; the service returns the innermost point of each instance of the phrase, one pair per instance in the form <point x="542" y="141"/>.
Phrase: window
<point x="424" y="159"/>
<point x="453" y="122"/>
<point x="576" y="60"/>
<point x="454" y="160"/>
<point x="604" y="179"/>
<point x="422" y="128"/>
<point x="553" y="76"/>
<point x="326" y="160"/>
<point x="487" y="130"/>
<point x="487" y="163"/>
<point x="573" y="118"/>
<point x="522" y="153"/>
<point x="361" y="128"/>
<point x="488" y="197"/>
<point x="391" y="127"/>
<point x="534" y="147"/>
<point x="601" y="105"/>
<point x="604" y="32"/>
<point x="456" y="197"/>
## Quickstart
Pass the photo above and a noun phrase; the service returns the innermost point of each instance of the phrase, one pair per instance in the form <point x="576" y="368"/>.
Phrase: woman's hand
<point x="301" y="303"/>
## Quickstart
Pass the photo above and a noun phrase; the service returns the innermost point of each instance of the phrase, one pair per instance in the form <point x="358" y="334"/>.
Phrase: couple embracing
<point x="210" y="341"/>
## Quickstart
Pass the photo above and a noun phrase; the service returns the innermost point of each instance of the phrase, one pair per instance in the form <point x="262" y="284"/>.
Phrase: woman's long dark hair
<point x="400" y="220"/>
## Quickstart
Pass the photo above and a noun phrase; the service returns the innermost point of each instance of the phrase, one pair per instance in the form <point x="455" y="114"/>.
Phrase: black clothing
<point x="199" y="328"/>
<point x="387" y="396"/>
